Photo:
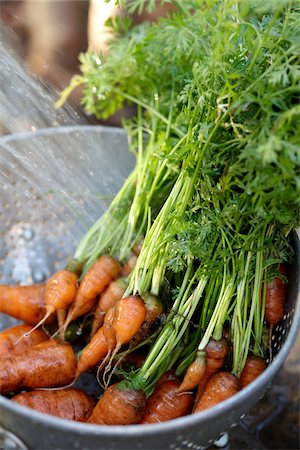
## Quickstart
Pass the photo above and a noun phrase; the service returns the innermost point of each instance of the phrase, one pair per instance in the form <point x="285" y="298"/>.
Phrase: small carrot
<point x="96" y="279"/>
<point x="26" y="303"/>
<point x="166" y="403"/>
<point x="128" y="266"/>
<point x="275" y="301"/>
<point x="92" y="353"/>
<point x="255" y="365"/>
<point x="130" y="314"/>
<point x="10" y="342"/>
<point x="194" y="373"/>
<point x="119" y="405"/>
<point x="69" y="404"/>
<point x="61" y="290"/>
<point x="216" y="352"/>
<point x="154" y="309"/>
<point x="220" y="386"/>
<point x="48" y="364"/>
<point x="109" y="297"/>
<point x="108" y="329"/>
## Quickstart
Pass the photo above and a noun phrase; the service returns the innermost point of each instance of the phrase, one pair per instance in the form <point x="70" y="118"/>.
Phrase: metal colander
<point x="54" y="184"/>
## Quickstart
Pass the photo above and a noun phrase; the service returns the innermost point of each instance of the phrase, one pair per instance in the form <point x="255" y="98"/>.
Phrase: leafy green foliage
<point x="218" y="82"/>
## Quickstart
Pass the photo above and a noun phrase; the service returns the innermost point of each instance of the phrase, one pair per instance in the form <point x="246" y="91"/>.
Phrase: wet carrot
<point x="26" y="303"/>
<point x="220" y="386"/>
<point x="61" y="290"/>
<point x="92" y="353"/>
<point x="275" y="301"/>
<point x="154" y="309"/>
<point x="70" y="403"/>
<point x="109" y="297"/>
<point x="119" y="405"/>
<point x="254" y="366"/>
<point x="166" y="403"/>
<point x="10" y="342"/>
<point x="194" y="373"/>
<point x="96" y="279"/>
<point x="128" y="266"/>
<point x="216" y="352"/>
<point x="48" y="364"/>
<point x="108" y="329"/>
<point x="130" y="313"/>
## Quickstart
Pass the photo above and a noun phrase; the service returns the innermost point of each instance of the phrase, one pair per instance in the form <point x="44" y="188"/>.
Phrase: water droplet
<point x="28" y="233"/>
<point x="38" y="276"/>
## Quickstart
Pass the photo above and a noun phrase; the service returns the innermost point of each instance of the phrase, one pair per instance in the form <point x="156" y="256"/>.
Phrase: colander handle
<point x="9" y="441"/>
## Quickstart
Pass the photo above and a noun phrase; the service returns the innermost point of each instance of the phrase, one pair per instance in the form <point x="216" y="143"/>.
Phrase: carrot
<point x="10" y="342"/>
<point x="70" y="403"/>
<point x="130" y="313"/>
<point x="50" y="363"/>
<point x="92" y="353"/>
<point x="154" y="309"/>
<point x="254" y="366"/>
<point x="194" y="374"/>
<point x="128" y="266"/>
<point x="96" y="279"/>
<point x="275" y="301"/>
<point x="119" y="405"/>
<point x="26" y="303"/>
<point x="108" y="329"/>
<point x="166" y="403"/>
<point x="220" y="386"/>
<point x="216" y="352"/>
<point x="109" y="297"/>
<point x="61" y="290"/>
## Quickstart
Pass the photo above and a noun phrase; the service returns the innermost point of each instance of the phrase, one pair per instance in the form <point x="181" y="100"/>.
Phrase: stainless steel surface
<point x="54" y="184"/>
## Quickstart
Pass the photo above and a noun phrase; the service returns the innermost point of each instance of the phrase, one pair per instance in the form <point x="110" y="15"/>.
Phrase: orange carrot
<point x="92" y="353"/>
<point x="154" y="309"/>
<point x="48" y="364"/>
<point x="70" y="403"/>
<point x="194" y="374"/>
<point x="61" y="290"/>
<point x="96" y="279"/>
<point x="10" y="342"/>
<point x="119" y="405"/>
<point x="128" y="266"/>
<point x="109" y="297"/>
<point x="26" y="303"/>
<point x="216" y="352"/>
<point x="130" y="313"/>
<point x="220" y="386"/>
<point x="108" y="329"/>
<point x="275" y="303"/>
<point x="166" y="403"/>
<point x="253" y="368"/>
<point x="275" y="300"/>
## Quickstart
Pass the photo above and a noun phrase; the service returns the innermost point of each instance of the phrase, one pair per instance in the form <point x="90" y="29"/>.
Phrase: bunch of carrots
<point x="183" y="279"/>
